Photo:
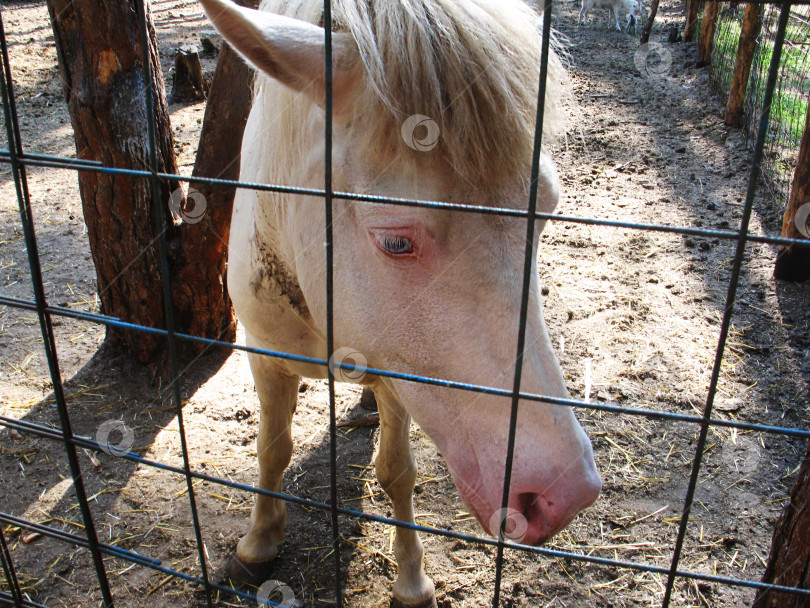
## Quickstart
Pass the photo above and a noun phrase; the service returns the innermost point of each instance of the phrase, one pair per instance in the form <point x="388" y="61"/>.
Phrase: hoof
<point x="368" y="401"/>
<point x="244" y="573"/>
<point x="429" y="603"/>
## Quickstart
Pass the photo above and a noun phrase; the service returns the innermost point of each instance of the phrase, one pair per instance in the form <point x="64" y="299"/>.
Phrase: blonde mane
<point x="472" y="66"/>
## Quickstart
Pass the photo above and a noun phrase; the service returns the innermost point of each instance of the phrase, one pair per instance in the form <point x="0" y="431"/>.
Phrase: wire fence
<point x="792" y="94"/>
<point x="775" y="85"/>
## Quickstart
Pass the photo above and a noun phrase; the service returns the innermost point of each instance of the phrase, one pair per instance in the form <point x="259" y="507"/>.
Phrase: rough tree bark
<point x="793" y="263"/>
<point x="692" y="10"/>
<point x="789" y="563"/>
<point x="218" y="156"/>
<point x="752" y="24"/>
<point x="707" y="33"/>
<point x="99" y="49"/>
<point x="645" y="35"/>
<point x="201" y="262"/>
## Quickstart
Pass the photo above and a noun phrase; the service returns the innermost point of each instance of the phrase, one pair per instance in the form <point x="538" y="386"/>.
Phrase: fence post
<point x="692" y="7"/>
<point x="707" y="33"/>
<point x="793" y="263"/>
<point x="789" y="563"/>
<point x="752" y="24"/>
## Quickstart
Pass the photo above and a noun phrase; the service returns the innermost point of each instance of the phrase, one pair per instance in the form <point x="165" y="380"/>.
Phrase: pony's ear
<point x="289" y="50"/>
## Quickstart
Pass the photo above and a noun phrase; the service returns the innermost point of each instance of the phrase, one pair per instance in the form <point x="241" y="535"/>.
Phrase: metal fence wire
<point x="792" y="94"/>
<point x="18" y="160"/>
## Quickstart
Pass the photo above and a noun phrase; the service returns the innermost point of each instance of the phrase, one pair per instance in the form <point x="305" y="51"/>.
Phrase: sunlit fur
<point x="463" y="64"/>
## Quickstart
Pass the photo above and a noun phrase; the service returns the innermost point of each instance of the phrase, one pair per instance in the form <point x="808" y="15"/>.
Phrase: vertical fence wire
<point x="528" y="268"/>
<point x="330" y="292"/>
<point x="8" y="570"/>
<point x="159" y="218"/>
<point x="731" y="297"/>
<point x="45" y="323"/>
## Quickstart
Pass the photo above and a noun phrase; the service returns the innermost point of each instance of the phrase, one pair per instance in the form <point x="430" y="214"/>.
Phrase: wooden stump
<point x="789" y="563"/>
<point x="752" y="24"/>
<point x="707" y="33"/>
<point x="793" y="263"/>
<point x="189" y="82"/>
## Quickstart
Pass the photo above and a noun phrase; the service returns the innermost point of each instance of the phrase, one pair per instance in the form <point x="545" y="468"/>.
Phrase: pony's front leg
<point x="278" y="393"/>
<point x="396" y="472"/>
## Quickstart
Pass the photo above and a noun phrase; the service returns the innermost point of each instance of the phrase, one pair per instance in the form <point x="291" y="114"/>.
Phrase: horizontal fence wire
<point x="18" y="159"/>
<point x="41" y="160"/>
<point x="89" y="443"/>
<point x="394" y="375"/>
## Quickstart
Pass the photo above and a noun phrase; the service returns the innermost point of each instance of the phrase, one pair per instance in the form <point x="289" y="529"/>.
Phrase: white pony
<point x="435" y="100"/>
<point x="634" y="10"/>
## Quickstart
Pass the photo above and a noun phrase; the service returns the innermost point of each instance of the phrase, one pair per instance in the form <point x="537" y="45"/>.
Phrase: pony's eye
<point x="395" y="244"/>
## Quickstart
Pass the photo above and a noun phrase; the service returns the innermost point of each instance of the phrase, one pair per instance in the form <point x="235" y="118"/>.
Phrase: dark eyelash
<point x="395" y="245"/>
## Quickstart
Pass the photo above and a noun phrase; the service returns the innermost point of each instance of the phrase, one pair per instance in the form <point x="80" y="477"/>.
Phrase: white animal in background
<point x="633" y="9"/>
<point x="635" y="12"/>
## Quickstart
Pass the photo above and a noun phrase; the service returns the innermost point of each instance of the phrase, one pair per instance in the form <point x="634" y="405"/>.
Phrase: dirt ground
<point x="640" y="309"/>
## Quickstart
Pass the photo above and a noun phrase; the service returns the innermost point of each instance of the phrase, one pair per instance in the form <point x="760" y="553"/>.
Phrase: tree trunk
<point x="100" y="57"/>
<point x="692" y="9"/>
<point x="99" y="49"/>
<point x="707" y="33"/>
<point x="199" y="289"/>
<point x="789" y="563"/>
<point x="645" y="35"/>
<point x="200" y="284"/>
<point x="752" y="24"/>
<point x="792" y="262"/>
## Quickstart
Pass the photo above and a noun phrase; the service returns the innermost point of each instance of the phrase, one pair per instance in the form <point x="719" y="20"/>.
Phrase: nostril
<point x="529" y="504"/>
<point x="531" y="518"/>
